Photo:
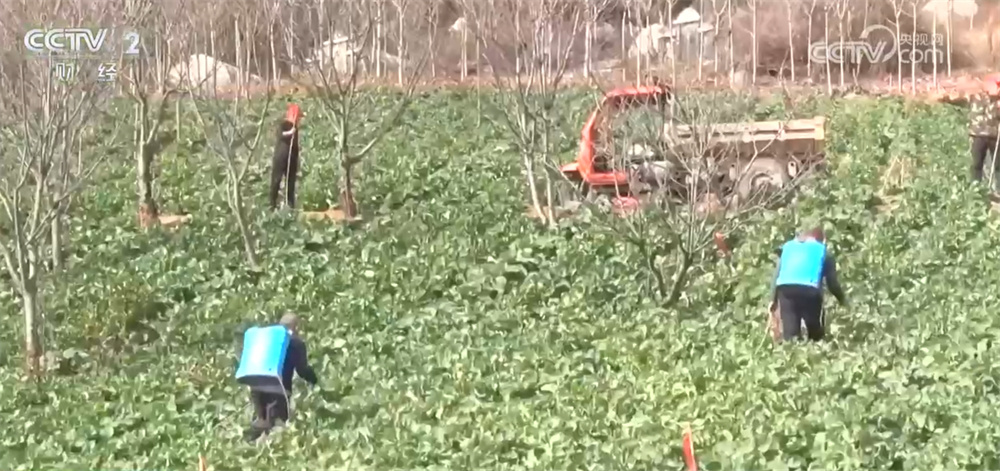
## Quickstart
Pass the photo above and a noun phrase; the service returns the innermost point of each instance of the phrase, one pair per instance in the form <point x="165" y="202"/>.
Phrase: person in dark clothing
<point x="797" y="290"/>
<point x="271" y="407"/>
<point x="285" y="161"/>
<point x="984" y="125"/>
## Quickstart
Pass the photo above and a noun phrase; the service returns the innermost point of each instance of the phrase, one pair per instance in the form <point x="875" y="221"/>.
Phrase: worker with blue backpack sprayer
<point x="269" y="357"/>
<point x="797" y="291"/>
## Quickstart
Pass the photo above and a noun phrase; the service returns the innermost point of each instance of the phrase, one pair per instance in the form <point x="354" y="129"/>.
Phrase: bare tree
<point x="950" y="27"/>
<point x="897" y="7"/>
<point x="716" y="24"/>
<point x="934" y="48"/>
<point x="594" y="9"/>
<point x="290" y="29"/>
<point x="732" y="40"/>
<point x="401" y="6"/>
<point x="360" y="119"/>
<point x="626" y="32"/>
<point x="696" y="176"/>
<point x="651" y="43"/>
<point x="755" y="46"/>
<point x="791" y="34"/>
<point x="148" y="88"/>
<point x="273" y="16"/>
<point x="432" y="11"/>
<point x="379" y="22"/>
<point x="675" y="40"/>
<point x="826" y="41"/>
<point x="46" y="108"/>
<point x="809" y="35"/>
<point x="528" y="94"/>
<point x="857" y="69"/>
<point x="233" y="123"/>
<point x="913" y="43"/>
<point x="843" y="8"/>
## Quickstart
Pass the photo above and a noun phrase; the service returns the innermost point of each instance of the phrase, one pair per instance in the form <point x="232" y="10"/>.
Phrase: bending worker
<point x="265" y="354"/>
<point x="984" y="125"/>
<point x="797" y="290"/>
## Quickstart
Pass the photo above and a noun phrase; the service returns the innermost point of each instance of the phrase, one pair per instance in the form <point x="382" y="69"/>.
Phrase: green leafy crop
<point x="449" y="332"/>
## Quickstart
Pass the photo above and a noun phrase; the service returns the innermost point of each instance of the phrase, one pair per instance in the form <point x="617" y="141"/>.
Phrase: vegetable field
<point x="451" y="332"/>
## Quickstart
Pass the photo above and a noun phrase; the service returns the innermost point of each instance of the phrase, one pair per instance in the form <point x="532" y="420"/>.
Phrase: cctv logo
<point x="62" y="40"/>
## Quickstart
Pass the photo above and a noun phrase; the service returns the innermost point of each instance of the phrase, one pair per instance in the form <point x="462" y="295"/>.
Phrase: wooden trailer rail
<point x="797" y="136"/>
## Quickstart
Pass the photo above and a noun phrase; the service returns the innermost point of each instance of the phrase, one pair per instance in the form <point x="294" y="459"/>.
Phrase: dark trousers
<point x="981" y="147"/>
<point x="268" y="408"/>
<point x="282" y="166"/>
<point x="798" y="304"/>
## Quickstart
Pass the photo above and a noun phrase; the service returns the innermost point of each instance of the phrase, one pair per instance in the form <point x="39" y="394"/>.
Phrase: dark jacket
<point x="286" y="147"/>
<point x="829" y="277"/>
<point x="296" y="361"/>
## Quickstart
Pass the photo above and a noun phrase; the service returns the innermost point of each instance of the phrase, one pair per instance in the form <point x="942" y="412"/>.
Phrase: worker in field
<point x="271" y="403"/>
<point x="285" y="159"/>
<point x="797" y="291"/>
<point x="984" y="125"/>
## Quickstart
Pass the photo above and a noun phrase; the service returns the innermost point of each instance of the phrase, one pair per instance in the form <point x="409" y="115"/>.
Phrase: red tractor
<point x="744" y="156"/>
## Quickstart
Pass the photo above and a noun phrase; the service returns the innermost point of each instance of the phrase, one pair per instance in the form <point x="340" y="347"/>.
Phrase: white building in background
<point x="960" y="9"/>
<point x="691" y="33"/>
<point x="681" y="40"/>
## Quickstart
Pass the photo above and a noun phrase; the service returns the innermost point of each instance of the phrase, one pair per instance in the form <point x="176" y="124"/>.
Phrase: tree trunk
<point x="680" y="280"/>
<point x="177" y="120"/>
<point x="624" y="52"/>
<point x="675" y="42"/>
<point x="379" y="38"/>
<point x="31" y="308"/>
<point x="934" y="50"/>
<point x="432" y="17"/>
<point x="809" y="39"/>
<point x="274" y="54"/>
<point x="826" y="40"/>
<point x="899" y="57"/>
<point x="347" y="202"/>
<point x="913" y="63"/>
<point x="857" y="68"/>
<point x="239" y="211"/>
<point x="588" y="43"/>
<point x="56" y="241"/>
<point x="465" y="52"/>
<point x="753" y="9"/>
<point x="529" y="170"/>
<point x="732" y="42"/>
<point x="401" y="52"/>
<point x="840" y="32"/>
<point x="791" y="39"/>
<point x="149" y="213"/>
<point x="950" y="27"/>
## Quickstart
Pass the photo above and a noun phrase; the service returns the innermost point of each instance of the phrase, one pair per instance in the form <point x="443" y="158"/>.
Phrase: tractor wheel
<point x="761" y="174"/>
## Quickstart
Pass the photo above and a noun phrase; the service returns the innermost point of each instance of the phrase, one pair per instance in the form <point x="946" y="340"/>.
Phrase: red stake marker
<point x="688" y="447"/>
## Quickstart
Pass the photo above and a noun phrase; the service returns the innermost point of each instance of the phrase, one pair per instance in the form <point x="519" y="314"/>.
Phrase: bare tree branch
<point x="529" y="79"/>
<point x="335" y="71"/>
<point x="230" y="130"/>
<point x="44" y="117"/>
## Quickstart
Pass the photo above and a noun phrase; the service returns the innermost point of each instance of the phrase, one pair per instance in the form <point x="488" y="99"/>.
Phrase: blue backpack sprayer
<point x="263" y="359"/>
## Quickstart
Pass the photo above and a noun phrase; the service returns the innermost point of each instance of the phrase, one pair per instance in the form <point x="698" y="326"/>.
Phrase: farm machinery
<point x="727" y="161"/>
